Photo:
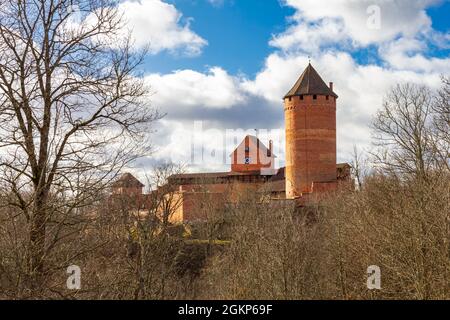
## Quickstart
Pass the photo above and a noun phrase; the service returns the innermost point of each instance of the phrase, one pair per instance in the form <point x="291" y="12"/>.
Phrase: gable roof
<point x="252" y="140"/>
<point x="310" y="83"/>
<point x="127" y="180"/>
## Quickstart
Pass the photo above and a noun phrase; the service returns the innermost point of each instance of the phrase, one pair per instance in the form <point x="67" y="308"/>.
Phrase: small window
<point x="328" y="98"/>
<point x="301" y="97"/>
<point x="247" y="149"/>
<point x="315" y="97"/>
<point x="290" y="98"/>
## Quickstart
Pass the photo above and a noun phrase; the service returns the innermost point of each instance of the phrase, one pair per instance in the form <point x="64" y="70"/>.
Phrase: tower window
<point x="290" y="98"/>
<point x="301" y="97"/>
<point x="328" y="97"/>
<point x="247" y="149"/>
<point x="315" y="97"/>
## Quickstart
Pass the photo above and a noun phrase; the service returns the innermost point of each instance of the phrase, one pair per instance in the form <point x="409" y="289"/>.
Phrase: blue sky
<point x="227" y="63"/>
<point x="440" y="16"/>
<point x="239" y="31"/>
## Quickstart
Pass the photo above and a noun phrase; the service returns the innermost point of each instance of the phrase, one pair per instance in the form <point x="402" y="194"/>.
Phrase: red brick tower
<point x="310" y="120"/>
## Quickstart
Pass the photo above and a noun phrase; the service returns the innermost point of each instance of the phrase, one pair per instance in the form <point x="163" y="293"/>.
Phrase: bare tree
<point x="402" y="131"/>
<point x="441" y="109"/>
<point x="73" y="111"/>
<point x="165" y="197"/>
<point x="359" y="166"/>
<point x="149" y="232"/>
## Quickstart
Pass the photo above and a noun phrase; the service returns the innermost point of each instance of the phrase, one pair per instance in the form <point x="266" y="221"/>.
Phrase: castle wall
<point x="195" y="206"/>
<point x="199" y="206"/>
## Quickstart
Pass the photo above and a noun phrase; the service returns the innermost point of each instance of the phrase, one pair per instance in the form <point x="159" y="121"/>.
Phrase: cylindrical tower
<point x="310" y="120"/>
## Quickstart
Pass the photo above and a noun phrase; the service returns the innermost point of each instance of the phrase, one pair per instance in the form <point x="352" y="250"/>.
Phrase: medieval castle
<point x="311" y="169"/>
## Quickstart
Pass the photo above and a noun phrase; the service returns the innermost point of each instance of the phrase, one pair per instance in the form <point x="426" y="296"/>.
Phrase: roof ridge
<point x="308" y="73"/>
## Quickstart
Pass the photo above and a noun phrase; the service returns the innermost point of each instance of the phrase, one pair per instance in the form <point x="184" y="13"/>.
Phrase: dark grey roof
<point x="309" y="83"/>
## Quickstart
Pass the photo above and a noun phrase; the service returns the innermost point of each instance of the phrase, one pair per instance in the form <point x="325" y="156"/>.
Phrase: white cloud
<point x="407" y="54"/>
<point x="331" y="32"/>
<point x="158" y="25"/>
<point x="277" y="77"/>
<point x="317" y="25"/>
<point x="190" y="89"/>
<point x="311" y="37"/>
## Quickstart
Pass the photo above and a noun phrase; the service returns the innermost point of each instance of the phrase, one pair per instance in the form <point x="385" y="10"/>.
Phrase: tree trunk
<point x="37" y="240"/>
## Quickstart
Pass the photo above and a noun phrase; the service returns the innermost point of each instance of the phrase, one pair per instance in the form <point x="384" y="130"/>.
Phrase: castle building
<point x="311" y="169"/>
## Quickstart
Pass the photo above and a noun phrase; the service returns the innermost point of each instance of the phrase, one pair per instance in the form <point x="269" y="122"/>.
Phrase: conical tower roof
<point x="310" y="83"/>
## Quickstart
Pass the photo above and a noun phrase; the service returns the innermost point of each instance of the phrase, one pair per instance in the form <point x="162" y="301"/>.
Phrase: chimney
<point x="331" y="86"/>
<point x="269" y="152"/>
